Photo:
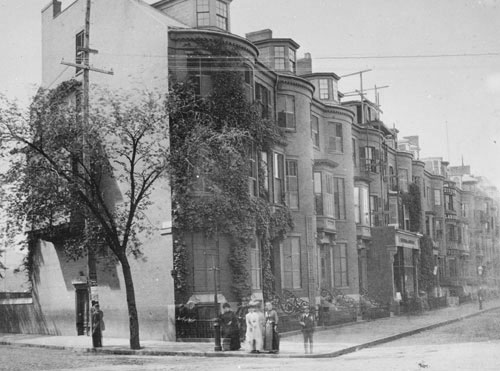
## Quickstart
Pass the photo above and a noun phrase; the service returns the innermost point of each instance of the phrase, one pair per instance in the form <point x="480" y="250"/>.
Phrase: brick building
<point x="347" y="179"/>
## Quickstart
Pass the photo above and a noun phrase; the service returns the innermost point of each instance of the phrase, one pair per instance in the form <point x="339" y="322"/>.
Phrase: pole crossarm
<point x="87" y="67"/>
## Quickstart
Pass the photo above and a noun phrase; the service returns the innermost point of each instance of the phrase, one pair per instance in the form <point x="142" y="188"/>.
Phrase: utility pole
<point x="217" y="334"/>
<point x="86" y="67"/>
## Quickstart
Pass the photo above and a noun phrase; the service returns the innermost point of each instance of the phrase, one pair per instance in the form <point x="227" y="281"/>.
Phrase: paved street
<point x="471" y="344"/>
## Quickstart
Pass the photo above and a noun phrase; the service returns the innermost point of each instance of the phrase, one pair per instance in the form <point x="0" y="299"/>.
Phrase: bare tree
<point x="93" y="178"/>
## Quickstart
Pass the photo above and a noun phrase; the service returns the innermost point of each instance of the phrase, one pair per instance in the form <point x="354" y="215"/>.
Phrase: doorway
<point x="82" y="309"/>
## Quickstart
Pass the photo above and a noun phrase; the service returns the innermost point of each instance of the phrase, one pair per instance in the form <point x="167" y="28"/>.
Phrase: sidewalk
<point x="328" y="342"/>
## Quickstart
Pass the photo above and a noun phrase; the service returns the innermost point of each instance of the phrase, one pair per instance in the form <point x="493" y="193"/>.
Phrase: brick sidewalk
<point x="328" y="342"/>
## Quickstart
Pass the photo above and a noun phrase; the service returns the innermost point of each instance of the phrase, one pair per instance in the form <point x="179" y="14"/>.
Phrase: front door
<point x="82" y="309"/>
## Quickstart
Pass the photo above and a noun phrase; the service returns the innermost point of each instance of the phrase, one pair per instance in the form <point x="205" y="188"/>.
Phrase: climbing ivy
<point x="426" y="278"/>
<point x="212" y="139"/>
<point x="412" y="201"/>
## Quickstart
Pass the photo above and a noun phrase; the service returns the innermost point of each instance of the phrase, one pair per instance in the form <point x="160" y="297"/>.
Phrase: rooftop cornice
<point x="194" y="34"/>
<point x="277" y="41"/>
<point x="404" y="154"/>
<point x="295" y="81"/>
<point x="320" y="74"/>
<point x="339" y="110"/>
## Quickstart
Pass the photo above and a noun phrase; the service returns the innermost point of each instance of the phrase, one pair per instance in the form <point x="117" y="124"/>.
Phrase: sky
<point x="439" y="58"/>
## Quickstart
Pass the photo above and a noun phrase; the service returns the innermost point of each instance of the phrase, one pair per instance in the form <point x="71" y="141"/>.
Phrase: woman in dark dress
<point x="230" y="326"/>
<point x="271" y="336"/>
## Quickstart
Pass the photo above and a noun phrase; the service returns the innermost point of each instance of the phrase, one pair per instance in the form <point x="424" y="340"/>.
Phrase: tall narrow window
<point x="354" y="153"/>
<point x="359" y="115"/>
<point x="292" y="57"/>
<point x="339" y="198"/>
<point x="403" y="180"/>
<point x="340" y="264"/>
<point x="265" y="56"/>
<point x="335" y="137"/>
<point x="255" y="265"/>
<point x="252" y="173"/>
<point x="357" y="209"/>
<point x="221" y="11"/>
<point x="286" y="111"/>
<point x="438" y="229"/>
<point x="361" y="206"/>
<point x="318" y="193"/>
<point x="315" y="130"/>
<point x="427" y="226"/>
<point x="406" y="217"/>
<point x="292" y="184"/>
<point x="247" y="77"/>
<point x="364" y="201"/>
<point x="79" y="53"/>
<point x="374" y="211"/>
<point x="437" y="197"/>
<point x="328" y="200"/>
<point x="449" y="202"/>
<point x="203" y="13"/>
<point x="368" y="158"/>
<point x="392" y="179"/>
<point x="451" y="232"/>
<point x="291" y="263"/>
<point x="263" y="99"/>
<point x="279" y="58"/>
<point x="265" y="173"/>
<point x="278" y="171"/>
<point x="324" y="91"/>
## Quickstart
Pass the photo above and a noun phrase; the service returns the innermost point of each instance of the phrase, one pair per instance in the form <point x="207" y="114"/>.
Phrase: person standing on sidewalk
<point x="230" y="326"/>
<point x="271" y="337"/>
<point x="255" y="322"/>
<point x="97" y="325"/>
<point x="307" y="323"/>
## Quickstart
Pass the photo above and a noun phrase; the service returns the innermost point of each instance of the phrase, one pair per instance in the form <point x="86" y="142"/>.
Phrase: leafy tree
<point x="91" y="180"/>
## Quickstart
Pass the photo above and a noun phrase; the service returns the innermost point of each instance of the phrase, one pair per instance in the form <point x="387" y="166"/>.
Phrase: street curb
<point x="338" y="353"/>
<point x="388" y="339"/>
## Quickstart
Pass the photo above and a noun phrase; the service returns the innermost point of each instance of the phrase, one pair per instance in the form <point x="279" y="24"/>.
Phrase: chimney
<point x="266" y="34"/>
<point x="56" y="7"/>
<point x="304" y="65"/>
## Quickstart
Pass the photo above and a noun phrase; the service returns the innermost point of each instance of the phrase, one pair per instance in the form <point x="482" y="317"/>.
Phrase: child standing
<point x="307" y="323"/>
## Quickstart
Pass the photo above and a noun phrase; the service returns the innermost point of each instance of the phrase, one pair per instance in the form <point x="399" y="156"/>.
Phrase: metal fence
<point x="199" y="329"/>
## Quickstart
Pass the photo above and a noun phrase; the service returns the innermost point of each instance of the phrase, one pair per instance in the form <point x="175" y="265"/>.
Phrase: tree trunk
<point x="132" y="309"/>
